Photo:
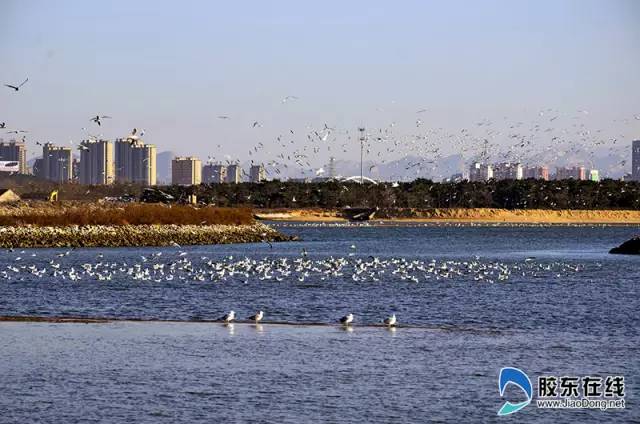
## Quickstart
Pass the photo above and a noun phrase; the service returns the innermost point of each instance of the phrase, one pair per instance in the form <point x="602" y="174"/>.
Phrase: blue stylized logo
<point x="517" y="377"/>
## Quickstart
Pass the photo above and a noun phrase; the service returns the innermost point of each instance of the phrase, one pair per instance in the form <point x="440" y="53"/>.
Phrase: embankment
<point x="489" y="215"/>
<point x="135" y="235"/>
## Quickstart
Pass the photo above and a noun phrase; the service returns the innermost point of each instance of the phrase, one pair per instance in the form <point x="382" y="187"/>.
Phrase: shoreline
<point x="25" y="319"/>
<point x="30" y="236"/>
<point x="457" y="215"/>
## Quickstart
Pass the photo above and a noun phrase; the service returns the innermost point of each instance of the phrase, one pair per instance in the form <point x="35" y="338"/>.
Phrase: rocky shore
<point x="629" y="247"/>
<point x="136" y="235"/>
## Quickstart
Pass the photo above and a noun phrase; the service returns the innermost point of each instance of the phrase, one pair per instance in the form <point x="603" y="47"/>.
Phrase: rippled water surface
<point x="473" y="299"/>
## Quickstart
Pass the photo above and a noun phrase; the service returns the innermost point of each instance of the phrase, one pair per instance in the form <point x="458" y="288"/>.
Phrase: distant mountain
<point x="163" y="167"/>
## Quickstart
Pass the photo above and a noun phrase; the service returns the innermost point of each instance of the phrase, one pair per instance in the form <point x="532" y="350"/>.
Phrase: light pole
<point x="362" y="140"/>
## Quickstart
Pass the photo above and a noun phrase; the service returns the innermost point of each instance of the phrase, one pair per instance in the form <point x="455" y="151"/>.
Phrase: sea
<point x="470" y="300"/>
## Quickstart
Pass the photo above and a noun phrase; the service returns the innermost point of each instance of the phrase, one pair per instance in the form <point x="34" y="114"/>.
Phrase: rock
<point x="629" y="247"/>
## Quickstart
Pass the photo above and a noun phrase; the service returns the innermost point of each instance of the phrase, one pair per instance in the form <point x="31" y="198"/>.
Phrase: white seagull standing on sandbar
<point x="347" y="319"/>
<point x="229" y="317"/>
<point x="257" y="317"/>
<point x="391" y="321"/>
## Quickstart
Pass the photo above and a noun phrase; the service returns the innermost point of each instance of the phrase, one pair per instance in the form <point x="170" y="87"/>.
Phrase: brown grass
<point x="130" y="214"/>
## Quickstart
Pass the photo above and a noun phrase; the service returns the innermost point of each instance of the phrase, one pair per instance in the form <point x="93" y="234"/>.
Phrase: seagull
<point x="223" y="117"/>
<point x="17" y="87"/>
<point x="257" y="317"/>
<point x="97" y="119"/>
<point x="391" y="321"/>
<point x="287" y="98"/>
<point x="229" y="317"/>
<point x="347" y="319"/>
<point x="256" y="124"/>
<point x="3" y="124"/>
<point x="17" y="132"/>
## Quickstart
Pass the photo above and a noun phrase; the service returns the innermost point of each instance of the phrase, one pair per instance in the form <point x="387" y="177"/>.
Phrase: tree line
<point x="418" y="194"/>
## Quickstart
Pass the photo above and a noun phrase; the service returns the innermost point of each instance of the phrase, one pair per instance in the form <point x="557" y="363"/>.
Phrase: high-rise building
<point x="234" y="174"/>
<point x="14" y="151"/>
<point x="480" y="172"/>
<point x="536" y="172"/>
<point x="96" y="162"/>
<point x="214" y="173"/>
<point x="186" y="171"/>
<point x="75" y="165"/>
<point x="331" y="171"/>
<point x="57" y="163"/>
<point x="135" y="161"/>
<point x="594" y="175"/>
<point x="257" y="174"/>
<point x="507" y="171"/>
<point x="36" y="168"/>
<point x="575" y="173"/>
<point x="635" y="160"/>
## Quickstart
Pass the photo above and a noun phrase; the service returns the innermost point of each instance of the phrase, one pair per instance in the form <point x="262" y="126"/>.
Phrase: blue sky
<point x="173" y="67"/>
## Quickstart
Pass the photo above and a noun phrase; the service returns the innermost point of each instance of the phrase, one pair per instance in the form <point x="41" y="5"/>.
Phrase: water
<point x="563" y="306"/>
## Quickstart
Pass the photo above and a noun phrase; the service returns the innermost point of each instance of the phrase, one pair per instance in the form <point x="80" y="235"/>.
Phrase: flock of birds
<point x="346" y="320"/>
<point x="178" y="267"/>
<point x="97" y="119"/>
<point x="166" y="266"/>
<point x="393" y="154"/>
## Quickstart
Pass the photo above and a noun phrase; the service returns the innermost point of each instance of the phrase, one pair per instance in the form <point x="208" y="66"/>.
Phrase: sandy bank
<point x="135" y="235"/>
<point x="466" y="215"/>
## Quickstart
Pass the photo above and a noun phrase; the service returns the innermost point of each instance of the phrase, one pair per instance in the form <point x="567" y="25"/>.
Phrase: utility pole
<point x="362" y="140"/>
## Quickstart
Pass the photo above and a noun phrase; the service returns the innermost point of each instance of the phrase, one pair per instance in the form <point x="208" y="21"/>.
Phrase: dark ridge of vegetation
<point x="418" y="194"/>
<point x="129" y="214"/>
<point x="423" y="194"/>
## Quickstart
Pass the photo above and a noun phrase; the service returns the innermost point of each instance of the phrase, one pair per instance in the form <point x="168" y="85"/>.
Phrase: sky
<point x="173" y="68"/>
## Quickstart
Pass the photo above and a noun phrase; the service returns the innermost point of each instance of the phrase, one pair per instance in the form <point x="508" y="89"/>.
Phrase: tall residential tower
<point x="96" y="162"/>
<point x="57" y="163"/>
<point x="14" y="151"/>
<point x="186" y="171"/>
<point x="214" y="173"/>
<point x="135" y="161"/>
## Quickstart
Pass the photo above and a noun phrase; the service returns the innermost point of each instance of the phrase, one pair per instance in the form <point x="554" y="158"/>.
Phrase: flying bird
<point x="287" y="98"/>
<point x="2" y="125"/>
<point x="17" y="87"/>
<point x="97" y="119"/>
<point x="17" y="132"/>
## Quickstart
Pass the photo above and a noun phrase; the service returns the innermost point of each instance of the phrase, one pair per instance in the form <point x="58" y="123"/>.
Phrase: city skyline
<point x="131" y="160"/>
